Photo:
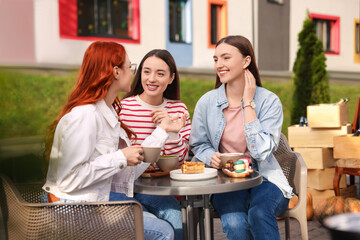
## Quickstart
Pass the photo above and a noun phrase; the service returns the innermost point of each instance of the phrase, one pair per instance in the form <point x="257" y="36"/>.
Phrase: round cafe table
<point x="189" y="189"/>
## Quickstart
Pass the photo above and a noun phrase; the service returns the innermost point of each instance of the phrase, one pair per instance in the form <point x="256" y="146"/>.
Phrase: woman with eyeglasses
<point x="154" y="98"/>
<point x="90" y="154"/>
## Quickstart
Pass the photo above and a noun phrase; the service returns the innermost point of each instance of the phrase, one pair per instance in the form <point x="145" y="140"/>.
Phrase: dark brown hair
<point x="173" y="90"/>
<point x="245" y="48"/>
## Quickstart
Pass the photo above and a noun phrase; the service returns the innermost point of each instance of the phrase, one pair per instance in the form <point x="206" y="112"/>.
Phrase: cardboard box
<point x="322" y="179"/>
<point x="327" y="115"/>
<point x="317" y="158"/>
<point x="318" y="195"/>
<point x="348" y="163"/>
<point x="315" y="137"/>
<point x="347" y="146"/>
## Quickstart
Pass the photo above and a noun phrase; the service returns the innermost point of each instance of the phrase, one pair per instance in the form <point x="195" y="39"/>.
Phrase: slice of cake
<point x="193" y="167"/>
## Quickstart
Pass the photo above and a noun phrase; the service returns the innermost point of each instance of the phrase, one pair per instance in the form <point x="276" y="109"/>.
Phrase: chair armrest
<point x="301" y="178"/>
<point x="303" y="172"/>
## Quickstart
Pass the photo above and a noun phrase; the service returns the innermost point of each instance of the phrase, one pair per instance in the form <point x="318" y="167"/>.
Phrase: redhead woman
<point x="154" y="97"/>
<point x="241" y="116"/>
<point x="90" y="155"/>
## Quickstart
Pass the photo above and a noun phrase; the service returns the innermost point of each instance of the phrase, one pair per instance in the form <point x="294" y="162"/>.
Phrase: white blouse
<point x="85" y="160"/>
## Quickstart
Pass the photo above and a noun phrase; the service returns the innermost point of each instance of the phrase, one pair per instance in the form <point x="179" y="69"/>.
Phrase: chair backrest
<point x="288" y="162"/>
<point x="26" y="218"/>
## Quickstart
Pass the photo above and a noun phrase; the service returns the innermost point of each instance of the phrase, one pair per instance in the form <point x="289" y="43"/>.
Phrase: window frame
<point x="68" y="23"/>
<point x="187" y="23"/>
<point x="223" y="25"/>
<point x="357" y="37"/>
<point x="334" y="31"/>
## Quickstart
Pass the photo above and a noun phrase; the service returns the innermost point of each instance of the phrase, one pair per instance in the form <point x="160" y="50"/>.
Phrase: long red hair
<point x="93" y="82"/>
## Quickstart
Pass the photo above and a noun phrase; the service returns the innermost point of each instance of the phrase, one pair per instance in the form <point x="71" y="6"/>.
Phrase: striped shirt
<point x="136" y="114"/>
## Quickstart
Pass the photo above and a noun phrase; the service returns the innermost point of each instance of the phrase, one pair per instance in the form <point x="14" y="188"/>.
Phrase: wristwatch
<point x="250" y="104"/>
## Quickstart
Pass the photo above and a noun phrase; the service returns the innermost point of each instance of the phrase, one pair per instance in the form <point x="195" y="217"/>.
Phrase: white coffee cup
<point x="151" y="154"/>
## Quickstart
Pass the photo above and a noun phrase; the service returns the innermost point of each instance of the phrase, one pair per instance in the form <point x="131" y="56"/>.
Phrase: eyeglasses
<point x="133" y="67"/>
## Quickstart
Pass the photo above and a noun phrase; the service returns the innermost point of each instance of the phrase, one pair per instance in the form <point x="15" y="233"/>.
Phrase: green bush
<point x="310" y="75"/>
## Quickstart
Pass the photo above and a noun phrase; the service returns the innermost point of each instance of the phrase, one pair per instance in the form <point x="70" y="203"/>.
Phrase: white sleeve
<point x="78" y="141"/>
<point x="157" y="138"/>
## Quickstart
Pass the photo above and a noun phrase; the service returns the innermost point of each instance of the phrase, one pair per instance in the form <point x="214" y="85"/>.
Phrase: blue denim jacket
<point x="262" y="135"/>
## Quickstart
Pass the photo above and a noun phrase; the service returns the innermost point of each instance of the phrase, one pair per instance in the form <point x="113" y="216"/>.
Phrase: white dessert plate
<point x="178" y="175"/>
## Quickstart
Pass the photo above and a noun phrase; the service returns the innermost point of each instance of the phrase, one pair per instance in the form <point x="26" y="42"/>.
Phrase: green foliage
<point x="320" y="91"/>
<point x="192" y="89"/>
<point x="310" y="75"/>
<point x="30" y="102"/>
<point x="282" y="90"/>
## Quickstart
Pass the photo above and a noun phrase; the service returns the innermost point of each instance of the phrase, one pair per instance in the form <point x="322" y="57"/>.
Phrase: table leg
<point x="191" y="217"/>
<point x="207" y="217"/>
<point x="201" y="223"/>
<point x="184" y="217"/>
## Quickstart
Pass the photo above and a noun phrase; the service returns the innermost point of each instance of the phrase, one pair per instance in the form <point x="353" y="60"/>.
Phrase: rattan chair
<point x="26" y="218"/>
<point x="295" y="171"/>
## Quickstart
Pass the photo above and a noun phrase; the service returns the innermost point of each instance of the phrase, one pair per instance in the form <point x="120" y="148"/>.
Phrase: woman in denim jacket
<point x="241" y="116"/>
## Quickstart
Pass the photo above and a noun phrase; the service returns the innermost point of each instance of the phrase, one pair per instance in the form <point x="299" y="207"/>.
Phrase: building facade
<point x="57" y="32"/>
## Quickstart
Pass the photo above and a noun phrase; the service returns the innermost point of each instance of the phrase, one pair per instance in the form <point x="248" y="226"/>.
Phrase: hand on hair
<point x="250" y="87"/>
<point x="133" y="154"/>
<point x="215" y="160"/>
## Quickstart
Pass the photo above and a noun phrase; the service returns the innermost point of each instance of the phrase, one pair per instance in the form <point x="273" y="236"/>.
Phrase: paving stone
<point x="315" y="230"/>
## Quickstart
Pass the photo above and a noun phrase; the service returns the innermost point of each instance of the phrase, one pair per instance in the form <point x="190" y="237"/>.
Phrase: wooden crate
<point x="327" y="115"/>
<point x="315" y="137"/>
<point x="347" y="146"/>
<point x="322" y="179"/>
<point x="317" y="158"/>
<point x="318" y="195"/>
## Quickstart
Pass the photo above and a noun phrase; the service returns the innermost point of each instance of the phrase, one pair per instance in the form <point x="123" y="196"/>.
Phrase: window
<point x="328" y="31"/>
<point x="94" y="19"/>
<point x="180" y="21"/>
<point x="217" y="21"/>
<point x="357" y="41"/>
<point x="276" y="1"/>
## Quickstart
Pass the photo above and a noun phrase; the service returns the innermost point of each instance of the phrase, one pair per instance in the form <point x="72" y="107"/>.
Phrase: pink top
<point x="233" y="138"/>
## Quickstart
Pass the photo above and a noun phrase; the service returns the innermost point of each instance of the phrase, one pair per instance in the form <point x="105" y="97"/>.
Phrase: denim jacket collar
<point x="221" y="97"/>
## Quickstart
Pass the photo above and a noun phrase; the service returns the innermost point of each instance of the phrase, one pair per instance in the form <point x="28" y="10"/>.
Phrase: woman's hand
<point x="250" y="87"/>
<point x="151" y="168"/>
<point x="158" y="115"/>
<point x="215" y="160"/>
<point x="133" y="154"/>
<point x="173" y="124"/>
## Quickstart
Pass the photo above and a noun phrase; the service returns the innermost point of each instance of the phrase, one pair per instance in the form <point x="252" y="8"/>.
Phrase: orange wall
<point x="17" y="32"/>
